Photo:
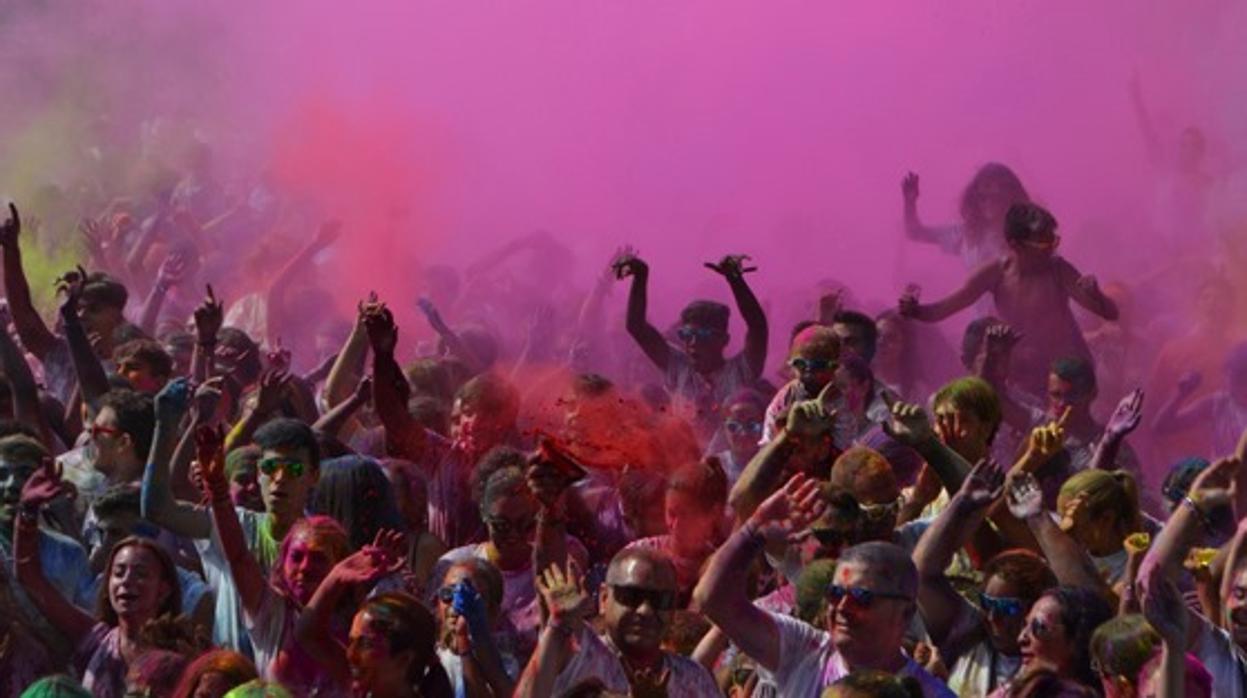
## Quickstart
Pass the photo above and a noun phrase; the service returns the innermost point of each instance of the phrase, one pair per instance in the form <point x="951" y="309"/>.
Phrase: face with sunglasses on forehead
<point x="637" y="602"/>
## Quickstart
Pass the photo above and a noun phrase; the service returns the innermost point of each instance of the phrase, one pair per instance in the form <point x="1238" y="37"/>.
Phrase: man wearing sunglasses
<point x="637" y="601"/>
<point x="872" y="599"/>
<point x="696" y="372"/>
<point x="1032" y="287"/>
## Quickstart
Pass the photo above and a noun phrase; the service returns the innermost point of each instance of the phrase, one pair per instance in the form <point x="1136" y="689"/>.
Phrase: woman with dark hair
<point x="213" y="674"/>
<point x="1057" y="635"/>
<point x="979" y="237"/>
<point x="355" y="491"/>
<point x="390" y="651"/>
<point x="141" y="586"/>
<point x="695" y="510"/>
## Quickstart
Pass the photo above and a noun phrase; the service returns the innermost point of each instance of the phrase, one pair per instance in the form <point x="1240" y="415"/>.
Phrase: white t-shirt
<point x="809" y="662"/>
<point x="1224" y="660"/>
<point x="596" y="658"/>
<point x="228" y="630"/>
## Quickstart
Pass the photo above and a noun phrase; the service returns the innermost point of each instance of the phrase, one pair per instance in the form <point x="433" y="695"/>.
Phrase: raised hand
<point x="363" y="390"/>
<point x="627" y="263"/>
<point x="209" y="317"/>
<point x="564" y="593"/>
<point x="389" y="548"/>
<point x="909" y="187"/>
<point x="11" y="228"/>
<point x="45" y="485"/>
<point x="812" y="418"/>
<point x="648" y="682"/>
<point x="1216" y="485"/>
<point x="1045" y="441"/>
<point x="173" y="400"/>
<point x="432" y="315"/>
<point x="1189" y="383"/>
<point x="98" y="236"/>
<point x="908" y="305"/>
<point x="208" y="396"/>
<point x="983" y="485"/>
<point x="70" y="286"/>
<point x="1025" y="498"/>
<point x="731" y="266"/>
<point x="273" y="386"/>
<point x="278" y="358"/>
<point x="790" y="509"/>
<point x="382" y="332"/>
<point x="172" y="271"/>
<point x="908" y="423"/>
<point x="1000" y="339"/>
<point x="1128" y="414"/>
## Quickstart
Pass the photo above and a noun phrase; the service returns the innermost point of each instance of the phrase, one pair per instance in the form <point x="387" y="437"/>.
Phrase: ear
<point x="602" y="595"/>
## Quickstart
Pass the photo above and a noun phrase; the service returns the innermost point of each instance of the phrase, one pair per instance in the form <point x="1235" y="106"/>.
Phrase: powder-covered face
<point x="307" y="563"/>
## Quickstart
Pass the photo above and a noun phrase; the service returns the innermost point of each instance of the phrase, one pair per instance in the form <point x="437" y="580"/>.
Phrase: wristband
<point x="1201" y="516"/>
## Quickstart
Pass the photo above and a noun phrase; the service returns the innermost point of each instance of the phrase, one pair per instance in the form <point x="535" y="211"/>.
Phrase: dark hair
<point x="136" y="416"/>
<point x="10" y="427"/>
<point x="20" y="448"/>
<point x="1025" y="221"/>
<point x="157" y="671"/>
<point x="431" y="412"/>
<point x="148" y="352"/>
<point x="707" y="314"/>
<point x="408" y="625"/>
<point x="1122" y="645"/>
<point x="857" y="368"/>
<point x="1025" y="570"/>
<point x="1078" y="372"/>
<point x="997" y="174"/>
<point x="704" y="482"/>
<point x="879" y="684"/>
<point x="236" y="668"/>
<point x="508" y="482"/>
<point x="495" y="459"/>
<point x="119" y="499"/>
<point x="869" y="329"/>
<point x="355" y="491"/>
<point x="249" y="368"/>
<point x="105" y="290"/>
<point x="492" y="394"/>
<point x="487" y="571"/>
<point x="1180" y="477"/>
<point x="291" y="434"/>
<point x="1082" y="611"/>
<point x="172" y="605"/>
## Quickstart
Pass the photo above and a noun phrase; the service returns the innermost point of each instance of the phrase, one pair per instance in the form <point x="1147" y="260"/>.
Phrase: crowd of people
<point x="201" y="498"/>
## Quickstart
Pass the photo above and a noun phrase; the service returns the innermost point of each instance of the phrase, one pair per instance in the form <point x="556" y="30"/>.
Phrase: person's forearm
<point x="312" y="630"/>
<point x="483" y="673"/>
<point x="1175" y="538"/>
<point x="710" y="648"/>
<point x="638" y="325"/>
<point x="249" y="580"/>
<point x="950" y="530"/>
<point x="321" y="371"/>
<point x="554" y="650"/>
<point x="948" y="465"/>
<point x="1106" y="450"/>
<point x="151" y="308"/>
<point x="73" y="623"/>
<point x="722" y="588"/>
<point x="331" y="422"/>
<point x="761" y="475"/>
<point x="26" y="406"/>
<point x="914" y="229"/>
<point x="203" y="360"/>
<point x="91" y="375"/>
<point x="390" y="402"/>
<point x="1070" y="562"/>
<point x="550" y="542"/>
<point x="180" y="462"/>
<point x="750" y="309"/>
<point x="35" y="336"/>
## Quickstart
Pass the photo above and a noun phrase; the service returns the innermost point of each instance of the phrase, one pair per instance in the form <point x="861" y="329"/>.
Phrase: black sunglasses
<point x="861" y="596"/>
<point x="633" y="597"/>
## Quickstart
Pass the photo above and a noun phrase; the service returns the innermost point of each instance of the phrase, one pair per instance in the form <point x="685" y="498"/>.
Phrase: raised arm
<point x="1124" y="420"/>
<point x="274" y="387"/>
<point x="910" y="425"/>
<point x="1176" y="414"/>
<point x="332" y="422"/>
<point x="1069" y="561"/>
<point x="983" y="280"/>
<point x="646" y="335"/>
<point x="998" y="343"/>
<point x="722" y="592"/>
<point x="209" y="317"/>
<point x="92" y="378"/>
<point x="966" y="511"/>
<point x="276" y="295"/>
<point x="390" y="389"/>
<point x="41" y="488"/>
<point x="35" y="335"/>
<point x="26" y="406"/>
<point x="348" y="366"/>
<point x="172" y="271"/>
<point x="568" y="602"/>
<point x="1085" y="291"/>
<point x="733" y="268"/>
<point x="454" y="344"/>
<point x="313" y="630"/>
<point x="158" y="503"/>
<point x="248" y="576"/>
<point x="914" y="229"/>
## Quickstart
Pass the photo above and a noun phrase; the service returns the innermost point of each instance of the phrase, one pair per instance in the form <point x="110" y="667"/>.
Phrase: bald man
<point x="637" y="601"/>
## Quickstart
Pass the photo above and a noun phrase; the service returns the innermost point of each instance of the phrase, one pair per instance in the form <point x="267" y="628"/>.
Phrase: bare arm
<point x="26" y="406"/>
<point x="331" y="422"/>
<point x="1085" y="291"/>
<point x="565" y="597"/>
<point x="732" y="268"/>
<point x="248" y="576"/>
<point x="983" y="280"/>
<point x="390" y="389"/>
<point x="646" y="335"/>
<point x="171" y="272"/>
<point x="1069" y="560"/>
<point x="1124" y="420"/>
<point x="35" y="335"/>
<point x="92" y="378"/>
<point x="276" y="296"/>
<point x="914" y="229"/>
<point x="450" y="338"/>
<point x="999" y="341"/>
<point x="158" y="503"/>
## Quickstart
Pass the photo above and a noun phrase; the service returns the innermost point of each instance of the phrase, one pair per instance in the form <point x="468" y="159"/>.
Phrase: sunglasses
<point x="1038" y="628"/>
<point x="270" y="466"/>
<point x="736" y="428"/>
<point x="633" y="597"/>
<point x="864" y="598"/>
<point x="879" y="512"/>
<point x="505" y="527"/>
<point x="1001" y="605"/>
<point x="801" y="365"/>
<point x="691" y="333"/>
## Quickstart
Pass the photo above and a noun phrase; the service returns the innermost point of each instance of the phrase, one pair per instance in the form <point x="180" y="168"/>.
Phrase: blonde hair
<point x="1106" y="491"/>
